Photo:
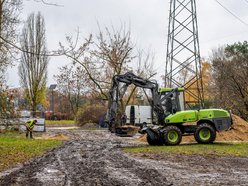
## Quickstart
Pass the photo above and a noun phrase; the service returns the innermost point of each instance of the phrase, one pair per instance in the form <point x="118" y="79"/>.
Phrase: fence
<point x="20" y="124"/>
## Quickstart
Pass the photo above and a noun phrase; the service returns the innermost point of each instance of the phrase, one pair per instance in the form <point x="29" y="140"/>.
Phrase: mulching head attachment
<point x="126" y="131"/>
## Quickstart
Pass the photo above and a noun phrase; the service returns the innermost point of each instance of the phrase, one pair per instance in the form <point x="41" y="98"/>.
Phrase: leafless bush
<point x="90" y="114"/>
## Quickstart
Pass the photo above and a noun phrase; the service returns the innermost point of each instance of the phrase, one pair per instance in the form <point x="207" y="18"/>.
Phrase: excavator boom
<point x="118" y="89"/>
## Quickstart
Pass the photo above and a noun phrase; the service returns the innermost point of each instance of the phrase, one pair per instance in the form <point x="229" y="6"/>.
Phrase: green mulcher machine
<point x="170" y="119"/>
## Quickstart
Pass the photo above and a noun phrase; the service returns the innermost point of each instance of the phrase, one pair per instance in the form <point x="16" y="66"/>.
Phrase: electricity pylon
<point x="183" y="62"/>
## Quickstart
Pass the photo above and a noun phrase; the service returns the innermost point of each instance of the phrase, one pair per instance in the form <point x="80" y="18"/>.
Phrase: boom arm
<point x="119" y="87"/>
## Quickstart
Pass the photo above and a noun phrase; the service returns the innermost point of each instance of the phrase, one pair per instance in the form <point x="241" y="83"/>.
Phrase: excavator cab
<point x="174" y="100"/>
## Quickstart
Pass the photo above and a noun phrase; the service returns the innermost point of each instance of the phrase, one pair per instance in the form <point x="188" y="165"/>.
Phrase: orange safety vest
<point x="30" y="124"/>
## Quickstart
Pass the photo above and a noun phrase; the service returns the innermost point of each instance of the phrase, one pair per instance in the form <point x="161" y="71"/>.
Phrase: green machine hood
<point x="195" y="115"/>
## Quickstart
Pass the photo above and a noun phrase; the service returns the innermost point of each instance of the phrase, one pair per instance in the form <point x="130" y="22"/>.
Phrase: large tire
<point x="172" y="135"/>
<point x="156" y="142"/>
<point x="205" y="133"/>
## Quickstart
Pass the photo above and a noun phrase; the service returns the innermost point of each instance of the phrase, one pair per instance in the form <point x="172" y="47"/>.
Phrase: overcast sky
<point x="148" y="20"/>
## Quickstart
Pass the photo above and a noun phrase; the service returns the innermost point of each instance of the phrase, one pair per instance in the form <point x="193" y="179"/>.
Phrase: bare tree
<point x="48" y="3"/>
<point x="73" y="84"/>
<point x="9" y="20"/>
<point x="111" y="52"/>
<point x="103" y="57"/>
<point x="114" y="49"/>
<point x="230" y="72"/>
<point x="33" y="67"/>
<point x="142" y="66"/>
<point x="9" y="12"/>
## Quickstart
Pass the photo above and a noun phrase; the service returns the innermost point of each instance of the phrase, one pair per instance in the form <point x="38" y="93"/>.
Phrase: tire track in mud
<point x="95" y="159"/>
<point x="199" y="170"/>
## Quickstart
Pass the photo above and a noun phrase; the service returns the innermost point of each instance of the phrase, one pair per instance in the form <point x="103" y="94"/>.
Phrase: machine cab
<point x="173" y="99"/>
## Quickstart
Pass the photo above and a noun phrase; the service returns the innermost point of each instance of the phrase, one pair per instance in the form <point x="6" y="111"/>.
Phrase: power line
<point x="222" y="37"/>
<point x="246" y="24"/>
<point x="25" y="51"/>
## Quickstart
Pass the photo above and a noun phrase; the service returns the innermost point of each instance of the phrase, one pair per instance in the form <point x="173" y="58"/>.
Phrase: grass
<point x="60" y="122"/>
<point x="15" y="148"/>
<point x="219" y="149"/>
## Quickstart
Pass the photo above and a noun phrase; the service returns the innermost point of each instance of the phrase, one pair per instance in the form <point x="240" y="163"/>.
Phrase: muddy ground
<point x="95" y="158"/>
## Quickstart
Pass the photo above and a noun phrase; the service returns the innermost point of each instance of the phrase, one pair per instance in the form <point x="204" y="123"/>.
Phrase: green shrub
<point x="90" y="114"/>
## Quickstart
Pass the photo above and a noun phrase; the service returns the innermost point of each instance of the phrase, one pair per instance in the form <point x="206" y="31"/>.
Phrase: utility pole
<point x="183" y="62"/>
<point x="52" y="87"/>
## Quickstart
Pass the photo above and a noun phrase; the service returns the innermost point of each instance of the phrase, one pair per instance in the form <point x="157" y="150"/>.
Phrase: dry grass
<point x="216" y="149"/>
<point x="60" y="137"/>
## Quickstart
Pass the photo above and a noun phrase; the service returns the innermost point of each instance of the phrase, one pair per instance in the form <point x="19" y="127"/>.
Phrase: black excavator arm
<point x="118" y="89"/>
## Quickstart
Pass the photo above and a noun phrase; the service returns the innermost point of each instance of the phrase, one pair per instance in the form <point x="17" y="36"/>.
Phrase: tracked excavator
<point x="171" y="120"/>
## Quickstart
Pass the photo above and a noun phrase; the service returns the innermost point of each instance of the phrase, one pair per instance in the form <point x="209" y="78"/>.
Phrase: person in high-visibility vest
<point x="29" y="127"/>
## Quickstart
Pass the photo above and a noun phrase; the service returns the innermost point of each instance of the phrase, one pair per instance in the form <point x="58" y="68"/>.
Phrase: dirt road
<point x="96" y="158"/>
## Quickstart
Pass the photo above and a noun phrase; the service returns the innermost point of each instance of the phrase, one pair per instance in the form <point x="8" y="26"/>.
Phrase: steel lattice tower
<point x="183" y="65"/>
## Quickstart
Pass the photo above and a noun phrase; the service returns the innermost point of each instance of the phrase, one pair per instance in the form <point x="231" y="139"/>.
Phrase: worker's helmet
<point x="35" y="121"/>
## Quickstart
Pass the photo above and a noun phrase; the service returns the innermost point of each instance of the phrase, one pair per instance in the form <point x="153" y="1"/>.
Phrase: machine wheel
<point x="172" y="135"/>
<point x="156" y="142"/>
<point x="205" y="133"/>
